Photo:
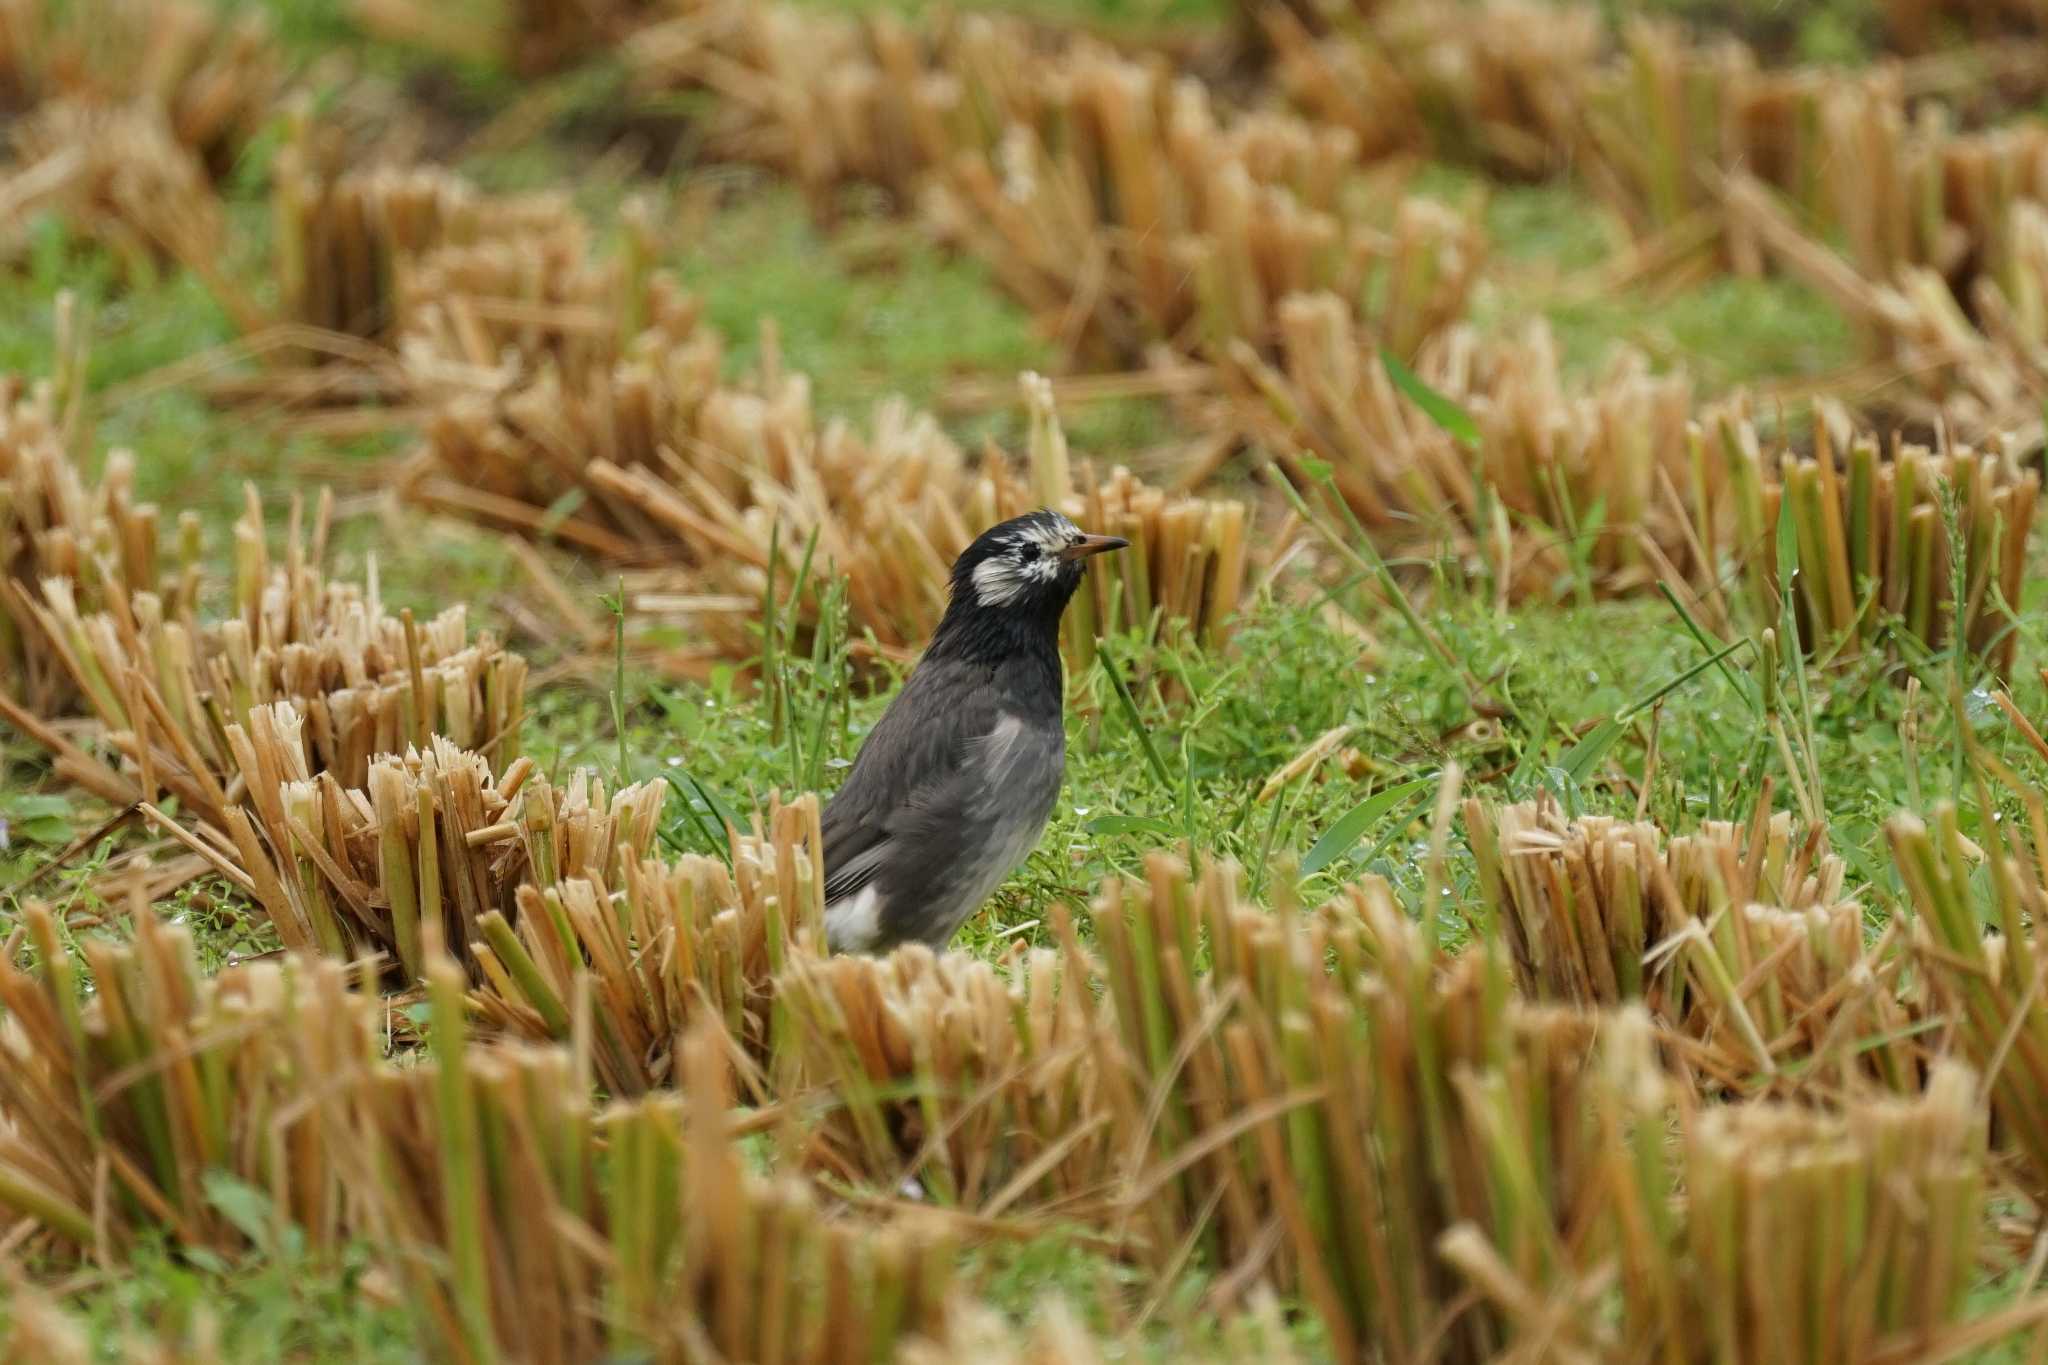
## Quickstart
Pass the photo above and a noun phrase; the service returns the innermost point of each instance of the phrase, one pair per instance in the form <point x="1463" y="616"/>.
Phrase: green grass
<point x="1550" y="244"/>
<point x="872" y="311"/>
<point x="293" y="1305"/>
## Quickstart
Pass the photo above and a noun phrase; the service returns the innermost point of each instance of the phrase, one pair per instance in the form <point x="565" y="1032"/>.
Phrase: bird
<point x="953" y="787"/>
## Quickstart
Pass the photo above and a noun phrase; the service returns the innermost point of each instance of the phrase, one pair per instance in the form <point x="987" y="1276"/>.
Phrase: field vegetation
<point x="1555" y="836"/>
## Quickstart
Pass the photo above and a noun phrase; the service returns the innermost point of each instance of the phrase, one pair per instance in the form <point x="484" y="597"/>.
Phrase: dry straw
<point x="1655" y="126"/>
<point x="171" y="692"/>
<point x="96" y="540"/>
<point x="1127" y="214"/>
<point x="981" y="1090"/>
<point x="1397" y="1133"/>
<point x="1562" y="481"/>
<point x="729" y="487"/>
<point x="1185" y="572"/>
<point x="1929" y="25"/>
<point x="1106" y="192"/>
<point x="1439" y="1170"/>
<point x="887" y="519"/>
<point x="120" y="178"/>
<point x="533" y="37"/>
<point x="665" y="1244"/>
<point x="1498" y="82"/>
<point x="829" y="100"/>
<point x="1800" y="1235"/>
<point x="133" y="1109"/>
<point x="657" y="949"/>
<point x="1990" y="983"/>
<point x="739" y="490"/>
<point x="208" y="77"/>
<point x="436" y="840"/>
<point x="1670" y="109"/>
<point x="1737" y="938"/>
<point x="129" y="1099"/>
<point x="1055" y="1334"/>
<point x="1902" y="551"/>
<point x="1327" y="1096"/>
<point x="1828" y="1237"/>
<point x="343" y="236"/>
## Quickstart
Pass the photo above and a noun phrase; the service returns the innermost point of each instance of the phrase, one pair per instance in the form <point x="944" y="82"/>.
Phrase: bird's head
<point x="1028" y="565"/>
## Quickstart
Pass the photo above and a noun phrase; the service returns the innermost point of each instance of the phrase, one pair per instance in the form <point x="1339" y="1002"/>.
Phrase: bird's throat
<point x="993" y="636"/>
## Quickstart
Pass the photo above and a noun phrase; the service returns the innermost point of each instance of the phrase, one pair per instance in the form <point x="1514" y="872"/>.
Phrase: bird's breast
<point x="1019" y="764"/>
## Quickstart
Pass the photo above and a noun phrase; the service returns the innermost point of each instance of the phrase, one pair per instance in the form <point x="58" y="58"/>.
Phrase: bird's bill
<point x="1093" y="545"/>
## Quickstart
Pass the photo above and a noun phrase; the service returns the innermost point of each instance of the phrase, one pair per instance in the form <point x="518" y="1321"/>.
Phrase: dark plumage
<point x="952" y="789"/>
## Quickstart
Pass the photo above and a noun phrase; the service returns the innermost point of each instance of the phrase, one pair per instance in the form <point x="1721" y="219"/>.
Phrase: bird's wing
<point x="913" y="761"/>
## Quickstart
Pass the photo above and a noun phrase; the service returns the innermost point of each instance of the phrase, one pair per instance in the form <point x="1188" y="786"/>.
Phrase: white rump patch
<point x="853" y="924"/>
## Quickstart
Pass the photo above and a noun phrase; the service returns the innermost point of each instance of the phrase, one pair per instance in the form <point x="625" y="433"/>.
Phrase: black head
<point x="1018" y="576"/>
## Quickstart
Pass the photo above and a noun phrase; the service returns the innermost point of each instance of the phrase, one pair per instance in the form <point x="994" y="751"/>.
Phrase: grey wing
<point x="917" y="749"/>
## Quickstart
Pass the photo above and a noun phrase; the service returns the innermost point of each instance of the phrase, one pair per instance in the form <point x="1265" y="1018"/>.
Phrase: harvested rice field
<point x="1550" y="853"/>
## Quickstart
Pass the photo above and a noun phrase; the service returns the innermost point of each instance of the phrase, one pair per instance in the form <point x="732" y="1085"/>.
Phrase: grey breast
<point x="1012" y="782"/>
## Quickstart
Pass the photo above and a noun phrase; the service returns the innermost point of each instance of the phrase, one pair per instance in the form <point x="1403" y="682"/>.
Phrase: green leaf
<point x="1319" y="470"/>
<point x="31" y="805"/>
<point x="242" y="1204"/>
<point x="1108" y="663"/>
<point x="1348" y="829"/>
<point x="207" y="1259"/>
<point x="44" y="829"/>
<point x="559" y="511"/>
<point x="1446" y="413"/>
<point x="1131" y="824"/>
<point x="1582" y="758"/>
<point x="694" y="792"/>
<point x="1788" y="549"/>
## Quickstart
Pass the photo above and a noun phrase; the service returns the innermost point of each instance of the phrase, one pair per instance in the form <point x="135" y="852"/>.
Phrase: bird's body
<point x="954" y="786"/>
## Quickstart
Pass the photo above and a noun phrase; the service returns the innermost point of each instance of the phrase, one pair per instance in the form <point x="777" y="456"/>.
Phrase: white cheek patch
<point x="997" y="582"/>
<point x="1003" y="578"/>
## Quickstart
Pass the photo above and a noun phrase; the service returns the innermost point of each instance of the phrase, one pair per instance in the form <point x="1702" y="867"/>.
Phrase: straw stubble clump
<point x="169" y="1101"/>
<point x="533" y="37"/>
<point x="210" y="78"/>
<point x="173" y="693"/>
<point x="96" y="542"/>
<point x="1107" y="192"/>
<point x="1496" y="82"/>
<point x="118" y="177"/>
<point x="1438" y="1168"/>
<point x="133" y="1089"/>
<point x="1737" y="938"/>
<point x="656" y="948"/>
<point x="1972" y="923"/>
<point x="715" y="493"/>
<point x="666" y="1243"/>
<point x="345" y="236"/>
<point x="1328" y="1092"/>
<point x="1561" y="479"/>
<point x="436" y="840"/>
<point x="1002" y="1111"/>
<point x="1828" y="1236"/>
<point x="1392" y="1126"/>
<point x="1899" y="551"/>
